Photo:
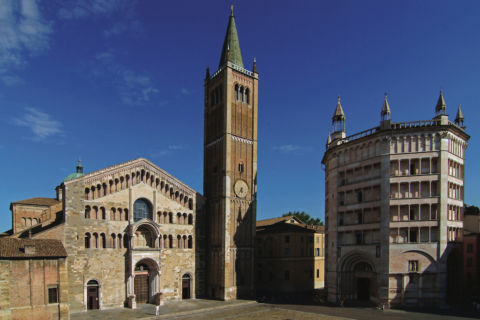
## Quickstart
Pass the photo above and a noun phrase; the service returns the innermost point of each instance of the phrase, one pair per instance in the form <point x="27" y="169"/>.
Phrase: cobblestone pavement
<point x="249" y="310"/>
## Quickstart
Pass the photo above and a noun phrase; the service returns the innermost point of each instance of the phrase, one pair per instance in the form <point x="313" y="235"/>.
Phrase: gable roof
<point x="267" y="222"/>
<point x="42" y="248"/>
<point x="39" y="201"/>
<point x="138" y="161"/>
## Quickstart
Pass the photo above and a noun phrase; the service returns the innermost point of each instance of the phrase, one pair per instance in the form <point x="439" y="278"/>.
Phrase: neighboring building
<point x="393" y="207"/>
<point x="289" y="256"/>
<point x="33" y="279"/>
<point x="471" y="256"/>
<point x="136" y="234"/>
<point x="230" y="171"/>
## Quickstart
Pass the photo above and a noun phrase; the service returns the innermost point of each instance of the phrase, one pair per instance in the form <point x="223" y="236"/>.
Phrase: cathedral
<point x="133" y="233"/>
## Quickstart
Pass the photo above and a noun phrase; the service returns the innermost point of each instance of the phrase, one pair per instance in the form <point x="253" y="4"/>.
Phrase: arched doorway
<point x="357" y="279"/>
<point x="93" y="295"/>
<point x="186" y="284"/>
<point x="142" y="283"/>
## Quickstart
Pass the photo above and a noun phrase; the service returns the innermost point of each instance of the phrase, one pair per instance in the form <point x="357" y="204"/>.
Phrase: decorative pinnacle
<point x="231" y="7"/>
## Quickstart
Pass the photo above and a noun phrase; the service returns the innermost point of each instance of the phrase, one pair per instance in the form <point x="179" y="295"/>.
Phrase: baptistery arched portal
<point x="142" y="208"/>
<point x="145" y="281"/>
<point x="358" y="279"/>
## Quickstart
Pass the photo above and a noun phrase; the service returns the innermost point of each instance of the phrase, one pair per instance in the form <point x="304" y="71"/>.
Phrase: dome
<point x="72" y="176"/>
<point x="75" y="174"/>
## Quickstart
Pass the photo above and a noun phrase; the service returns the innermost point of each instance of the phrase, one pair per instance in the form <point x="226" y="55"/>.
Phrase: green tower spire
<point x="231" y="46"/>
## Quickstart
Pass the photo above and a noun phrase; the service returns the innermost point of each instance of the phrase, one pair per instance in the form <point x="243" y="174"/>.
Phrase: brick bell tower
<point x="230" y="171"/>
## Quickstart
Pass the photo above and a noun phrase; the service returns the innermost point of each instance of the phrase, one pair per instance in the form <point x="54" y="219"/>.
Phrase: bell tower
<point x="230" y="171"/>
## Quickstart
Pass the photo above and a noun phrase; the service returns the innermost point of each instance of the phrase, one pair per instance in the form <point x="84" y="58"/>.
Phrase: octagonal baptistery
<point x="393" y="209"/>
<point x="132" y="235"/>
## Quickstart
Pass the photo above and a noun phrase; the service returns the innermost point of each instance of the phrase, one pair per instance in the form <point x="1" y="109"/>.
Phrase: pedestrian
<point x="157" y="310"/>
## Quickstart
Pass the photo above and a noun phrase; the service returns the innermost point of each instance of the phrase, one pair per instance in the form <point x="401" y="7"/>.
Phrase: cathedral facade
<point x="133" y="233"/>
<point x="393" y="209"/>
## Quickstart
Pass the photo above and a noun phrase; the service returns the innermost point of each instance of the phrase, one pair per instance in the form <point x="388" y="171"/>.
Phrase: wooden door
<point x="92" y="298"/>
<point x="141" y="288"/>
<point x="185" y="288"/>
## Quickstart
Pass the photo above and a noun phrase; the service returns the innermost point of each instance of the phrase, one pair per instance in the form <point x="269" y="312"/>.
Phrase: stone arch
<point x="146" y="280"/>
<point x="357" y="277"/>
<point x="144" y="237"/>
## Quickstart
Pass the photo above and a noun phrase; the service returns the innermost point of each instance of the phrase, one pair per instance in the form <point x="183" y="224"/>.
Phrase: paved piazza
<point x="249" y="310"/>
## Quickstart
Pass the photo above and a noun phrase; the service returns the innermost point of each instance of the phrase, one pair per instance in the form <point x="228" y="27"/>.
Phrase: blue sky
<point x="113" y="80"/>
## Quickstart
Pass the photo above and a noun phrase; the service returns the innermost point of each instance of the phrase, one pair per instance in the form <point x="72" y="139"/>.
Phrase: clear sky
<point x="113" y="80"/>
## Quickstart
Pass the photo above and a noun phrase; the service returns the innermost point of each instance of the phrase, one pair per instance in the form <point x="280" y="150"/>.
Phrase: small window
<point x="287" y="239"/>
<point x="469" y="262"/>
<point x="317" y="252"/>
<point x="413" y="266"/>
<point x="470" y="248"/>
<point x="53" y="295"/>
<point x="318" y="273"/>
<point x="240" y="167"/>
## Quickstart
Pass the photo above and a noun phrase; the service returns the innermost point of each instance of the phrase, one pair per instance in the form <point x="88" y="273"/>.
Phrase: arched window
<point x="87" y="212"/>
<point x="170" y="217"/>
<point x="190" y="219"/>
<point x="125" y="214"/>
<point x="190" y="242"/>
<point x="87" y="194"/>
<point x="120" y="214"/>
<point x="104" y="214"/>
<point x="119" y="241"/>
<point x="165" y="241"/>
<point x="179" y="242"/>
<point x="113" y="213"/>
<point x="170" y="241"/>
<point x="24" y="222"/>
<point x="87" y="240"/>
<point x="242" y="98"/>
<point x="114" y="241"/>
<point x="142" y="209"/>
<point x="184" y="242"/>
<point x="104" y="240"/>
<point x="247" y="96"/>
<point x="179" y="218"/>
<point x="29" y="222"/>
<point x="236" y="93"/>
<point x="95" y="240"/>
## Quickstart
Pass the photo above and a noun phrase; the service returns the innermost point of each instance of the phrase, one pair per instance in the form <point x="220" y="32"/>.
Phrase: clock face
<point x="241" y="188"/>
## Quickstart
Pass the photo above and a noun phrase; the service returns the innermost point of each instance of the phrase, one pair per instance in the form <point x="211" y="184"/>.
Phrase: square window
<point x="470" y="248"/>
<point x="413" y="266"/>
<point x="52" y="295"/>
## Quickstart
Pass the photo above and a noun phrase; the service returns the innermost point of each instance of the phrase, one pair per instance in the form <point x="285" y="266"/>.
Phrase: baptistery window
<point x="142" y="209"/>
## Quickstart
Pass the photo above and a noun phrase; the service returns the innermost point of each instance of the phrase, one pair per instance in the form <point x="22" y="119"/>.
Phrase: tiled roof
<point x="36" y="248"/>
<point x="267" y="222"/>
<point x="38" y="201"/>
<point x="270" y="222"/>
